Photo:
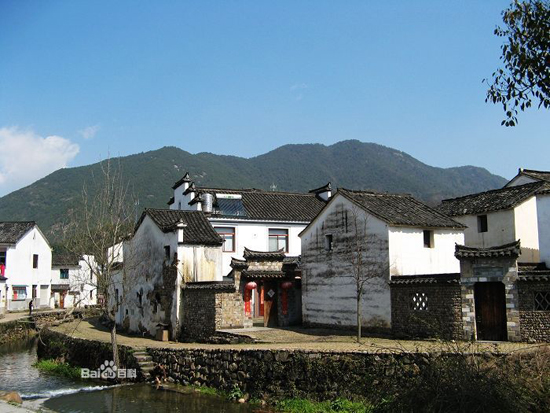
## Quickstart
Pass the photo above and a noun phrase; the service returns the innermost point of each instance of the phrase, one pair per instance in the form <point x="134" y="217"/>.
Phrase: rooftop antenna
<point x="273" y="187"/>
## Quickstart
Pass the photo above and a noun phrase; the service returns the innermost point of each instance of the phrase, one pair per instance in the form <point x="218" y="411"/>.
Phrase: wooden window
<point x="542" y="301"/>
<point x="328" y="242"/>
<point x="482" y="223"/>
<point x="35" y="261"/>
<point x="19" y="293"/>
<point x="428" y="238"/>
<point x="64" y="274"/>
<point x="278" y="239"/>
<point x="228" y="236"/>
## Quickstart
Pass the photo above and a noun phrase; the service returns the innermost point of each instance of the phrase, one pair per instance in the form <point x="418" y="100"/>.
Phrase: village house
<point x="252" y="219"/>
<point x="501" y="216"/>
<point x="168" y="248"/>
<point x="503" y="289"/>
<point x="73" y="283"/>
<point x="25" y="266"/>
<point x="402" y="237"/>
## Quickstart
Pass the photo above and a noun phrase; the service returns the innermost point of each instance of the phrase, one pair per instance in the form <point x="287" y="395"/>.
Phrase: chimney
<point x="324" y="192"/>
<point x="180" y="226"/>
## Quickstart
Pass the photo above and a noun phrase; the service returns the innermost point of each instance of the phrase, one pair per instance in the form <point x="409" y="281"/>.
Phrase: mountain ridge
<point x="293" y="167"/>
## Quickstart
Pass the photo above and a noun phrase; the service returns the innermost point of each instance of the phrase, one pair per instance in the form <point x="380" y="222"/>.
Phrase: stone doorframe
<point x="496" y="264"/>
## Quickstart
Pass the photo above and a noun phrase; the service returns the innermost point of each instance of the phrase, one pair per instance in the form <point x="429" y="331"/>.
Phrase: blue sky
<point x="80" y="80"/>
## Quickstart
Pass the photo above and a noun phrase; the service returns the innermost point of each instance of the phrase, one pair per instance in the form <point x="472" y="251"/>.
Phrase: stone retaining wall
<point x="289" y="374"/>
<point x="16" y="330"/>
<point x="83" y="353"/>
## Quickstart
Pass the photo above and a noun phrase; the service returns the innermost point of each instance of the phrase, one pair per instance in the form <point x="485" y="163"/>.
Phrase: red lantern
<point x="286" y="285"/>
<point x="248" y="297"/>
<point x="251" y="285"/>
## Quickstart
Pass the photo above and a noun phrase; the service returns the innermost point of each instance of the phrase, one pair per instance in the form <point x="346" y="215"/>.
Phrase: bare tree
<point x="96" y="231"/>
<point x="368" y="264"/>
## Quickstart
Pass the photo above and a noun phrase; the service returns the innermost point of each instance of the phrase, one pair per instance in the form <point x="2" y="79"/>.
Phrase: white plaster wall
<point x="521" y="180"/>
<point x="82" y="284"/>
<point x="526" y="228"/>
<point x="408" y="256"/>
<point x="20" y="271"/>
<point x="543" y="214"/>
<point x="500" y="229"/>
<point x="255" y="236"/>
<point x="328" y="289"/>
<point x="200" y="263"/>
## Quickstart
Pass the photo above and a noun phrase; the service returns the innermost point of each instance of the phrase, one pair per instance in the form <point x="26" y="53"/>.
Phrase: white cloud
<point x="89" y="132"/>
<point x="26" y="157"/>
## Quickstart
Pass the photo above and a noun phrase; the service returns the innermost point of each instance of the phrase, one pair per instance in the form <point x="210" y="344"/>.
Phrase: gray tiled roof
<point x="495" y="200"/>
<point x="198" y="230"/>
<point x="264" y="274"/>
<point x="540" y="175"/>
<point x="272" y="206"/>
<point x="12" y="232"/>
<point x="60" y="259"/>
<point x="512" y="249"/>
<point x="399" y="209"/>
<point x="450" y="278"/>
<point x="223" y="286"/>
<point x="278" y="255"/>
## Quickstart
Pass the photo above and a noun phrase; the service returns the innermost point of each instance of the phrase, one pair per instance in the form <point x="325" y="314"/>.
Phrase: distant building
<point x="73" y="282"/>
<point x="25" y="266"/>
<point x="528" y="176"/>
<point x="402" y="236"/>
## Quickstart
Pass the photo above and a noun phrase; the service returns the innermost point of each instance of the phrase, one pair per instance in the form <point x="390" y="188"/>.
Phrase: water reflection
<point x="142" y="398"/>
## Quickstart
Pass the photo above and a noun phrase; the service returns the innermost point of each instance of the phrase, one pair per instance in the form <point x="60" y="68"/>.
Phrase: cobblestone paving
<point x="294" y="339"/>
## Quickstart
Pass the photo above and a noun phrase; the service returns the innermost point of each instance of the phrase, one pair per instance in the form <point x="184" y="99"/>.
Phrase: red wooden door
<point x="490" y="302"/>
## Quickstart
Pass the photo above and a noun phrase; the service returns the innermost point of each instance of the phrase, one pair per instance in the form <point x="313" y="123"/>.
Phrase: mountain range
<point x="351" y="164"/>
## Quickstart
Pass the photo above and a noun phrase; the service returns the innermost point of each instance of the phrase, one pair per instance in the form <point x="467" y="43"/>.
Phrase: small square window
<point x="542" y="301"/>
<point x="428" y="238"/>
<point x="328" y="242"/>
<point x="64" y="274"/>
<point x="482" y="223"/>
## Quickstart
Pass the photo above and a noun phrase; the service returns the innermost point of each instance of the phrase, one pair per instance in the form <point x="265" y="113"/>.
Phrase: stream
<point x="40" y="390"/>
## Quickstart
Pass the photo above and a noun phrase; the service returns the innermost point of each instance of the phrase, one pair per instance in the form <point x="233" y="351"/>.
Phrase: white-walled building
<point x="501" y="216"/>
<point x="528" y="176"/>
<point x="401" y="236"/>
<point x="25" y="263"/>
<point x="252" y="218"/>
<point x="168" y="248"/>
<point x="73" y="282"/>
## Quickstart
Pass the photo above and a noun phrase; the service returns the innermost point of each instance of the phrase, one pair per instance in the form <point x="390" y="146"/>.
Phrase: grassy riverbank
<point x="58" y="369"/>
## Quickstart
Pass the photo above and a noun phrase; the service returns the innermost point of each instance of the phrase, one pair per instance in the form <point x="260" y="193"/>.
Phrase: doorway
<point x="270" y="304"/>
<point x="490" y="303"/>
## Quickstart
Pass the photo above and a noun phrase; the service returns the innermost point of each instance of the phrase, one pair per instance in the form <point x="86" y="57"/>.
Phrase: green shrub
<point x="306" y="406"/>
<point x="58" y="368"/>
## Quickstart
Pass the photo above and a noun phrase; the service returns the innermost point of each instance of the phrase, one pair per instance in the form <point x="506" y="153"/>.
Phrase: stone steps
<point x="145" y="362"/>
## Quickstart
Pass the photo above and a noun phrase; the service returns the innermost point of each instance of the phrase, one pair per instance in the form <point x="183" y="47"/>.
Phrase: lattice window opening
<point x="542" y="301"/>
<point x="419" y="302"/>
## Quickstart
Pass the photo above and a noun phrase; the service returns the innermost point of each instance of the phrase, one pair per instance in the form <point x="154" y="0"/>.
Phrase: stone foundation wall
<point x="441" y="317"/>
<point x="83" y="353"/>
<point x="293" y="374"/>
<point x="534" y="325"/>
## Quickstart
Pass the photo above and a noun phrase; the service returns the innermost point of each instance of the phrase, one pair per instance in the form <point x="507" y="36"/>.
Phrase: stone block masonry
<point x="427" y="310"/>
<point x="534" y="320"/>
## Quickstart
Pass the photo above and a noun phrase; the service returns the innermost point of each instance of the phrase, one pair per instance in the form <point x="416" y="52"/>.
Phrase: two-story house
<point x="73" y="282"/>
<point x="25" y="263"/>
<point x="501" y="216"/>
<point x="389" y="235"/>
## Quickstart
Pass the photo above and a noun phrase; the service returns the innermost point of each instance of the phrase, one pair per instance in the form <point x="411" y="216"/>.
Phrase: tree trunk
<point x="114" y="344"/>
<point x="358" y="316"/>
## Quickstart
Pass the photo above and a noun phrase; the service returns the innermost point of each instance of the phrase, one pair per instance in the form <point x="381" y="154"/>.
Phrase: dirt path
<point x="294" y="339"/>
